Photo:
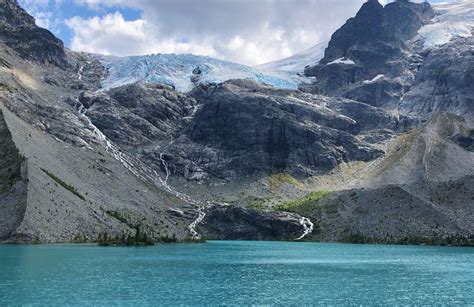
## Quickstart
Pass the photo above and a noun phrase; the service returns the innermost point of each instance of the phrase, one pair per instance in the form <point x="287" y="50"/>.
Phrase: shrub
<point x="68" y="187"/>
<point x="304" y="204"/>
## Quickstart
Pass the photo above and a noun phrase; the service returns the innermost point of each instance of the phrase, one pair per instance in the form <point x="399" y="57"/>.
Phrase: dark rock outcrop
<point x="261" y="129"/>
<point x="237" y="128"/>
<point x="19" y="32"/>
<point x="227" y="222"/>
<point x="135" y="114"/>
<point x="371" y="44"/>
<point x="378" y="34"/>
<point x="13" y="184"/>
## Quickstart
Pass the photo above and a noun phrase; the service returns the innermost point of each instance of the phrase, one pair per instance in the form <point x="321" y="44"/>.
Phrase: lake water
<point x="239" y="272"/>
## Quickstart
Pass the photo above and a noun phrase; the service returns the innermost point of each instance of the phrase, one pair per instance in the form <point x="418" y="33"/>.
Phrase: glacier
<point x="179" y="70"/>
<point x="452" y="20"/>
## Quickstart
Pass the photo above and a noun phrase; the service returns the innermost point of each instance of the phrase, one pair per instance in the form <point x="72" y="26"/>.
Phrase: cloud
<point x="113" y="35"/>
<point x="245" y="31"/>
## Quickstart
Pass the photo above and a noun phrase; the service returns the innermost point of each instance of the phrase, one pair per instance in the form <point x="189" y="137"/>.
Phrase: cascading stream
<point x="307" y="227"/>
<point x="142" y="171"/>
<point x="80" y="71"/>
<point x="201" y="208"/>
<point x="165" y="165"/>
<point x="192" y="227"/>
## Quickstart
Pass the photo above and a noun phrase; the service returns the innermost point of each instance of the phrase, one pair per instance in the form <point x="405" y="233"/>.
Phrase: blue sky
<point x="52" y="14"/>
<point x="244" y="31"/>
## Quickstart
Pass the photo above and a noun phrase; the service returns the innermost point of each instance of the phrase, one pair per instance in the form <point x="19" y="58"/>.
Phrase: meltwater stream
<point x="141" y="170"/>
<point x="236" y="273"/>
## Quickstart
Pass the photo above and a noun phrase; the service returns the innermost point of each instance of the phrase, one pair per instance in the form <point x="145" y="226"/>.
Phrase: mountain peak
<point x="19" y="31"/>
<point x="13" y="14"/>
<point x="391" y="25"/>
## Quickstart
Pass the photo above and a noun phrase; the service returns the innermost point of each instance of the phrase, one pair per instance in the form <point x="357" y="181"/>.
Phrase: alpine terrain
<point x="366" y="138"/>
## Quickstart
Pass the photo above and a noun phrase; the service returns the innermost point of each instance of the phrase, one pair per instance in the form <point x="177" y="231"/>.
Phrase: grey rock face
<point x="377" y="34"/>
<point x="13" y="184"/>
<point x="390" y="214"/>
<point x="258" y="128"/>
<point x="19" y="31"/>
<point x="237" y="128"/>
<point x="375" y="40"/>
<point x="445" y="81"/>
<point x="134" y="114"/>
<point x="421" y="188"/>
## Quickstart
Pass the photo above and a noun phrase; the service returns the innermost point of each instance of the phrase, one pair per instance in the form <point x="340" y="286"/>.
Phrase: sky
<point x="249" y="32"/>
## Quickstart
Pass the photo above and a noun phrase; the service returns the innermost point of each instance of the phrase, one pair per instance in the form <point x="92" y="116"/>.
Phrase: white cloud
<point x="113" y="35"/>
<point x="245" y="31"/>
<point x="110" y="34"/>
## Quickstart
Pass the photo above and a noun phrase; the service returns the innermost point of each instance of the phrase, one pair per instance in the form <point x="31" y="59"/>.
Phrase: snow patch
<point x="297" y="63"/>
<point x="342" y="60"/>
<point x="375" y="79"/>
<point x="452" y="20"/>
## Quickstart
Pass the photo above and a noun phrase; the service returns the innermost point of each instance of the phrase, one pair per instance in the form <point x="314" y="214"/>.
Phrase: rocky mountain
<point x="376" y="145"/>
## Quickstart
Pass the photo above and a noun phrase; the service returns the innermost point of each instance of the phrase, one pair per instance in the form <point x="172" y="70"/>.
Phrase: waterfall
<point x="307" y="227"/>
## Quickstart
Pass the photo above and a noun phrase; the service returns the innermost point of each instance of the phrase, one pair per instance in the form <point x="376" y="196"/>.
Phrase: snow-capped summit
<point x="452" y="20"/>
<point x="296" y="63"/>
<point x="183" y="70"/>
<point x="292" y="68"/>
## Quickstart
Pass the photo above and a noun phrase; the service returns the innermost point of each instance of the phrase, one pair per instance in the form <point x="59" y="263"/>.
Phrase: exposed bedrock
<point x="226" y="222"/>
<point x="13" y="183"/>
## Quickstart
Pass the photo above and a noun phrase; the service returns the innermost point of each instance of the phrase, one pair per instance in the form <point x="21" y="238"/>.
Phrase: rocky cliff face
<point x="262" y="129"/>
<point x="367" y="58"/>
<point x="444" y="81"/>
<point x="19" y="31"/>
<point x="136" y="115"/>
<point x="13" y="182"/>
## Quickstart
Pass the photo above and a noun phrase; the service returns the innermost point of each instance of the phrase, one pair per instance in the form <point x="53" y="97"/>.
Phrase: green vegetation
<point x="452" y="240"/>
<point x="307" y="203"/>
<point x="275" y="181"/>
<point x="257" y="203"/>
<point x="78" y="238"/>
<point x="116" y="215"/>
<point x="139" y="239"/>
<point x="68" y="187"/>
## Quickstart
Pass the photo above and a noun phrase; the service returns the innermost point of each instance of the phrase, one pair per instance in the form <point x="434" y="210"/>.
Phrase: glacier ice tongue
<point x="452" y="20"/>
<point x="178" y="70"/>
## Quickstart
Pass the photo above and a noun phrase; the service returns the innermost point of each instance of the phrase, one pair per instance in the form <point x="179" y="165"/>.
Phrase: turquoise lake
<point x="236" y="272"/>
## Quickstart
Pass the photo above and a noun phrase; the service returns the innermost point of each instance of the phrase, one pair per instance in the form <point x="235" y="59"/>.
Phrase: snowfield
<point x="297" y="63"/>
<point x="452" y="20"/>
